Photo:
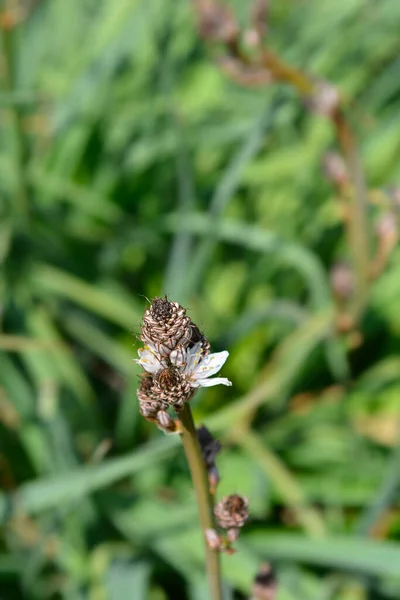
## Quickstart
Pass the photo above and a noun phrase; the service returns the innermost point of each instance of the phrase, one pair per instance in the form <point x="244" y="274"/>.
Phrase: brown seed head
<point x="149" y="403"/>
<point x="171" y="387"/>
<point x="232" y="511"/>
<point x="165" y="326"/>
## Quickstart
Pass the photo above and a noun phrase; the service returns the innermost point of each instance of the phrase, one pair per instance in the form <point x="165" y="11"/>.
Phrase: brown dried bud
<point x="232" y="511"/>
<point x="213" y="479"/>
<point x="170" y="386"/>
<point x="342" y="282"/>
<point x="197" y="336"/>
<point x="209" y="446"/>
<point x="264" y="586"/>
<point x="216" y="22"/>
<point x="213" y="539"/>
<point x="149" y="404"/>
<point x="166" y="422"/>
<point x="165" y="326"/>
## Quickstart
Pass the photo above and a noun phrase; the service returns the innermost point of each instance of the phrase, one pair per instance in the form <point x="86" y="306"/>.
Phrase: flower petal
<point x="148" y="360"/>
<point x="213" y="381"/>
<point x="210" y="364"/>
<point x="193" y="357"/>
<point x="178" y="357"/>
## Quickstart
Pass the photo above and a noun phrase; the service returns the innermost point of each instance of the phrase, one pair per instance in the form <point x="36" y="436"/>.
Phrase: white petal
<point x="210" y="364"/>
<point x="178" y="357"/>
<point x="213" y="381"/>
<point x="148" y="360"/>
<point x="193" y="357"/>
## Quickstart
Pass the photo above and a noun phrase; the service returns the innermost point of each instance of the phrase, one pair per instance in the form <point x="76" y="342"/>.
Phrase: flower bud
<point x="232" y="511"/>
<point x="264" y="586"/>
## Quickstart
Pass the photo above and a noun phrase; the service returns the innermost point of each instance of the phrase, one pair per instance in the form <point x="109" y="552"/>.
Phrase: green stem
<point x="357" y="225"/>
<point x="204" y="501"/>
<point x="358" y="228"/>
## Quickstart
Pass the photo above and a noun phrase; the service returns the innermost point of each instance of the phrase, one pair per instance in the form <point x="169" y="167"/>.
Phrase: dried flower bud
<point x="264" y="586"/>
<point x="232" y="511"/>
<point x="209" y="446"/>
<point x="171" y="387"/>
<point x="166" y="422"/>
<point x="342" y="282"/>
<point x="216" y="23"/>
<point x="213" y="539"/>
<point x="213" y="479"/>
<point x="165" y="326"/>
<point x="196" y="336"/>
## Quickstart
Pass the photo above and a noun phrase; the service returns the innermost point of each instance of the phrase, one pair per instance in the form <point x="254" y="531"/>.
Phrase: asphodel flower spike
<point x="176" y="358"/>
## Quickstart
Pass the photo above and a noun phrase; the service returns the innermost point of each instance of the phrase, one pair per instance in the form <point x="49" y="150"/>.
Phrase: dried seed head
<point x="232" y="511"/>
<point x="165" y="326"/>
<point x="149" y="404"/>
<point x="171" y="387"/>
<point x="264" y="586"/>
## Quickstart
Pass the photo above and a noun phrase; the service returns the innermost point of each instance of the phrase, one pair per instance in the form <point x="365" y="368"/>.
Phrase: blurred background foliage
<point x="130" y="166"/>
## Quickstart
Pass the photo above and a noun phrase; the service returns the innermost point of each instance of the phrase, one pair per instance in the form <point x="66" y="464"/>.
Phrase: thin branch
<point x="204" y="500"/>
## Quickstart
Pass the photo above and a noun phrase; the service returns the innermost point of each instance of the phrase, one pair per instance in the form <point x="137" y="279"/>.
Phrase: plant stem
<point x="204" y="501"/>
<point x="357" y="225"/>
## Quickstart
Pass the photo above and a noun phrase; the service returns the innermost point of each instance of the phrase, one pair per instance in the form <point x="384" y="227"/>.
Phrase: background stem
<point x="204" y="501"/>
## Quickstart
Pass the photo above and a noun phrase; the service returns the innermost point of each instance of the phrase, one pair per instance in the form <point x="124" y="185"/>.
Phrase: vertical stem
<point x="357" y="226"/>
<point x="21" y="198"/>
<point x="358" y="234"/>
<point x="204" y="502"/>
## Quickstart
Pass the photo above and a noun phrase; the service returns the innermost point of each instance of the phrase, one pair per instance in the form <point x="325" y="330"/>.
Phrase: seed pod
<point x="232" y="511"/>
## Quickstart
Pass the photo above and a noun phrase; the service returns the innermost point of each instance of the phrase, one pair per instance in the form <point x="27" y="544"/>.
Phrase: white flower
<point x="198" y="368"/>
<point x="193" y="365"/>
<point x="150" y="360"/>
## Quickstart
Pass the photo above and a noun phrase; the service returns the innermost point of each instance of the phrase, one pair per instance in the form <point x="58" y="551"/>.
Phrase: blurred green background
<point x="130" y="166"/>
